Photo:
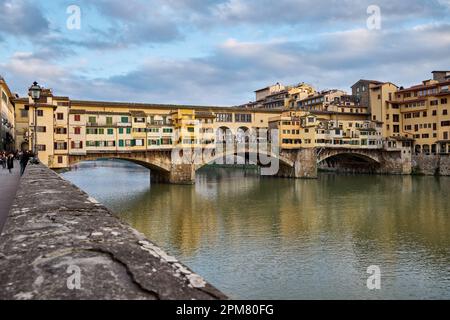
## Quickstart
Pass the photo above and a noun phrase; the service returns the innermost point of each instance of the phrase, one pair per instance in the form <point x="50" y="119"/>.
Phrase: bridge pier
<point x="178" y="174"/>
<point x="305" y="164"/>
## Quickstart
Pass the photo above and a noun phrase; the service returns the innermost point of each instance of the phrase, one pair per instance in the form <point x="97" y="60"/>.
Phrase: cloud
<point x="134" y="22"/>
<point x="21" y="18"/>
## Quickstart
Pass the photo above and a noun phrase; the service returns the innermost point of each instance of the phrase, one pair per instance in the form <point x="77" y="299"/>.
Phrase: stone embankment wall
<point x="438" y="165"/>
<point x="58" y="243"/>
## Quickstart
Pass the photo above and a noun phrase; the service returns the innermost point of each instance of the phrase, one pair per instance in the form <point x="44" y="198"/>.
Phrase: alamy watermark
<point x="374" y="281"/>
<point x="206" y="146"/>
<point x="74" y="280"/>
<point x="73" y="21"/>
<point x="374" y="19"/>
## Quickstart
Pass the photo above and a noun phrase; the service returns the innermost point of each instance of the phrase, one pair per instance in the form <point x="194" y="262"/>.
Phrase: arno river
<point x="268" y="238"/>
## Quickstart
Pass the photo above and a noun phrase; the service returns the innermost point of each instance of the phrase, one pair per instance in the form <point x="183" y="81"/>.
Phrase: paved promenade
<point x="8" y="188"/>
<point x="59" y="243"/>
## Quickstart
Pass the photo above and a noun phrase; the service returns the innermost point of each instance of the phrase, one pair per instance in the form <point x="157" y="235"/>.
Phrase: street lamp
<point x="35" y="94"/>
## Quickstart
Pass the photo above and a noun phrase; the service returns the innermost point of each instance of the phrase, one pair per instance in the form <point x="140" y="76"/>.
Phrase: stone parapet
<point x="59" y="243"/>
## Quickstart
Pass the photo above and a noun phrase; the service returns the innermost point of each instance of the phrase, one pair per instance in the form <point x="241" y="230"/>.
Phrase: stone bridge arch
<point x="158" y="162"/>
<point x="367" y="155"/>
<point x="249" y="155"/>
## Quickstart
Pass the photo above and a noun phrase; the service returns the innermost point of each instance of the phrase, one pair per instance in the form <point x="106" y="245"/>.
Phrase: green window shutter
<point x="108" y="120"/>
<point x="110" y="131"/>
<point x="128" y="130"/>
<point x="124" y="119"/>
<point x="121" y="144"/>
<point x="121" y="130"/>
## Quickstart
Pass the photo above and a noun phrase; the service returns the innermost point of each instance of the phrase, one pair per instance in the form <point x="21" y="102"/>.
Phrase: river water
<point x="269" y="238"/>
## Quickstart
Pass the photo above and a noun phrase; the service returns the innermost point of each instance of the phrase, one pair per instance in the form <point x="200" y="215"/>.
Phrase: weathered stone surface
<point x="431" y="165"/>
<point x="54" y="227"/>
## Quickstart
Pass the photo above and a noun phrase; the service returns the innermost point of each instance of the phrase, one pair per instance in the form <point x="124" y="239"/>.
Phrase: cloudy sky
<point x="216" y="52"/>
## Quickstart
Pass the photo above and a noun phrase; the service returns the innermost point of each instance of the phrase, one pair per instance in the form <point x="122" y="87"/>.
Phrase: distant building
<point x="361" y="90"/>
<point x="7" y="117"/>
<point x="261" y="94"/>
<point x="441" y="76"/>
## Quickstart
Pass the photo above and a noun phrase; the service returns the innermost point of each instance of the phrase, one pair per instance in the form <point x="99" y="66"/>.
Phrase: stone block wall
<point x="55" y="233"/>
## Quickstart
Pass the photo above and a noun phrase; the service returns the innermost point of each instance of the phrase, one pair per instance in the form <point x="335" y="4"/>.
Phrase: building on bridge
<point x="68" y="128"/>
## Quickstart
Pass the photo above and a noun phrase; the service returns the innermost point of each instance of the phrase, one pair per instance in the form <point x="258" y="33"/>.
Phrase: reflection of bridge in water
<point x="179" y="165"/>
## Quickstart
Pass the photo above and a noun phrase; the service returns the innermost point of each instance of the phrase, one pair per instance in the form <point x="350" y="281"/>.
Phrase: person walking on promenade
<point x="25" y="157"/>
<point x="10" y="162"/>
<point x="3" y="160"/>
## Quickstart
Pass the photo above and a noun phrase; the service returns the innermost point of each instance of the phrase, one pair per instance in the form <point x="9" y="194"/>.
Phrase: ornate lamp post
<point x="35" y="94"/>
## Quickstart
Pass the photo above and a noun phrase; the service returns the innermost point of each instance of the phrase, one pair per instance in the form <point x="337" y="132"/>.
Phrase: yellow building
<point x="303" y="129"/>
<point x="7" y="118"/>
<point x="421" y="114"/>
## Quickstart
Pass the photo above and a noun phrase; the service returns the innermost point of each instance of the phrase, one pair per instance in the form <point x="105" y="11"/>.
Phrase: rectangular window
<point x="60" y="145"/>
<point x="110" y="131"/>
<point x="445" y="112"/>
<point x="77" y="117"/>
<point x="224" y="117"/>
<point x="40" y="113"/>
<point x="167" y="130"/>
<point x="41" y="129"/>
<point x="120" y="130"/>
<point x="77" y="130"/>
<point x="92" y="120"/>
<point x="109" y="120"/>
<point x="121" y="143"/>
<point x="60" y="116"/>
<point x="124" y="119"/>
<point x="24" y="113"/>
<point x="243" y="118"/>
<point x="41" y="147"/>
<point x="444" y="101"/>
<point x="60" y="130"/>
<point x="128" y="130"/>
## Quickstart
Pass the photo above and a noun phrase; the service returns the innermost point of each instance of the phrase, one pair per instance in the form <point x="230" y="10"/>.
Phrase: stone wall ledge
<point x="55" y="230"/>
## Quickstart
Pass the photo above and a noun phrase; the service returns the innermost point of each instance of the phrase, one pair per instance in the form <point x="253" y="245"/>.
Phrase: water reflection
<point x="258" y="237"/>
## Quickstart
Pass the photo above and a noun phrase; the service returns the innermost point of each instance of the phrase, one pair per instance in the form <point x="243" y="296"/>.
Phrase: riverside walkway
<point x="59" y="243"/>
<point x="8" y="188"/>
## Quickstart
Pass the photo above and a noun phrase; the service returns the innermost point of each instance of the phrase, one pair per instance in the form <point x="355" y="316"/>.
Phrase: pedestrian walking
<point x="10" y="162"/>
<point x="24" y="158"/>
<point x="3" y="160"/>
